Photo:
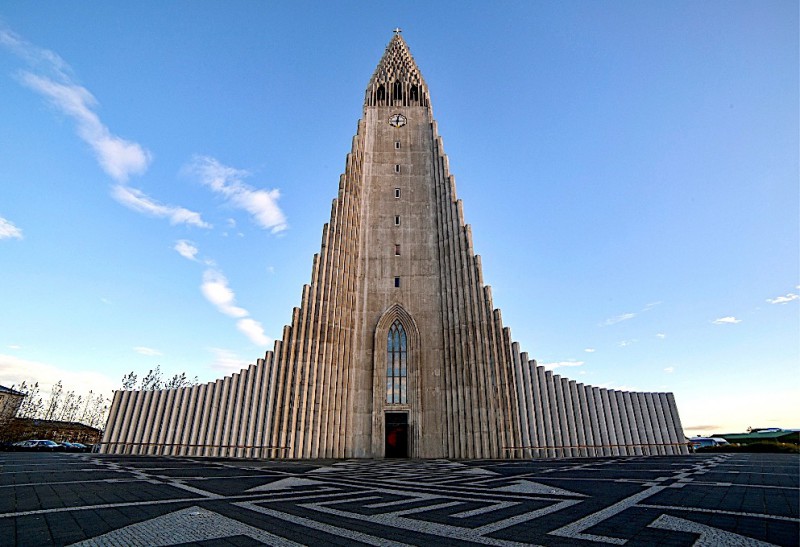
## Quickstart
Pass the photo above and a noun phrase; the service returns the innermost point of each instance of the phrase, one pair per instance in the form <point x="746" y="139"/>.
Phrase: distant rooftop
<point x="4" y="389"/>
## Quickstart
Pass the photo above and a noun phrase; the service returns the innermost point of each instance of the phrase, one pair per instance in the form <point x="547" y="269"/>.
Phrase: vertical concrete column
<point x="255" y="408"/>
<point x="624" y="431"/>
<point x="187" y="433"/>
<point x="272" y="420"/>
<point x="219" y="416"/>
<point x="649" y="434"/>
<point x="528" y="382"/>
<point x="669" y="432"/>
<point x="159" y="414"/>
<point x="148" y="437"/>
<point x="617" y="419"/>
<point x="451" y="393"/>
<point x="143" y="422"/>
<point x="569" y="413"/>
<point x="594" y="422"/>
<point x="170" y="410"/>
<point x="522" y="384"/>
<point x="111" y="433"/>
<point x="281" y="381"/>
<point x="180" y="420"/>
<point x="585" y="420"/>
<point x="538" y="409"/>
<point x="601" y="421"/>
<point x="547" y="414"/>
<point x="577" y="412"/>
<point x="249" y="410"/>
<point x="488" y="434"/>
<point x="633" y="425"/>
<point x="659" y="423"/>
<point x="135" y="405"/>
<point x="262" y="435"/>
<point x="555" y="418"/>
<point x="296" y="397"/>
<point x="291" y="372"/>
<point x="609" y="414"/>
<point x="231" y="410"/>
<point x="210" y="418"/>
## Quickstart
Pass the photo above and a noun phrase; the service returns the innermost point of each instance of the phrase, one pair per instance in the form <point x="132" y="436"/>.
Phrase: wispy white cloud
<point x="661" y="335"/>
<point x="51" y="77"/>
<point x="138" y="201"/>
<point x="617" y="319"/>
<point x="227" y="361"/>
<point x="626" y="343"/>
<point x="669" y="370"/>
<point x="118" y="157"/>
<point x="15" y="370"/>
<point x="783" y="299"/>
<point x="186" y="249"/>
<point x="227" y="182"/>
<point x="562" y="364"/>
<point x="630" y="315"/>
<point x="37" y="57"/>
<point x="726" y="321"/>
<point x="14" y="346"/>
<point x="215" y="289"/>
<point x="150" y="352"/>
<point x="254" y="331"/>
<point x="590" y="350"/>
<point x="8" y="230"/>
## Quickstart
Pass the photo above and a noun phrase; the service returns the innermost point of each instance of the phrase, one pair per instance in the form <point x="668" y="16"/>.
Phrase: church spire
<point x="397" y="80"/>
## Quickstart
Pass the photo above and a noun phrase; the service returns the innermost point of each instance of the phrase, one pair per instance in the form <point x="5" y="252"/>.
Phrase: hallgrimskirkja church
<point x="396" y="349"/>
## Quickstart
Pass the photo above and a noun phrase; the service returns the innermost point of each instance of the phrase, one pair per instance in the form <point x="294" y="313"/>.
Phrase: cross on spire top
<point x="397" y="31"/>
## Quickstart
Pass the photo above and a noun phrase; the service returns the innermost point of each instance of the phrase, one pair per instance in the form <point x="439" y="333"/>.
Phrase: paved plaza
<point x="83" y="499"/>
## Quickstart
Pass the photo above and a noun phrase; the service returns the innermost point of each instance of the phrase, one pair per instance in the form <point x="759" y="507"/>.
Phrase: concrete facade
<point x="396" y="348"/>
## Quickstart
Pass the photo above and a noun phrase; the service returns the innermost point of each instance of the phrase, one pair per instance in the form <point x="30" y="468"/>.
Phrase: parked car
<point x="40" y="445"/>
<point x="74" y="447"/>
<point x="705" y="442"/>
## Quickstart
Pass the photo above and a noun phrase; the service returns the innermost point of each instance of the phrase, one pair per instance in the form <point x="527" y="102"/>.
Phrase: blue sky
<point x="630" y="171"/>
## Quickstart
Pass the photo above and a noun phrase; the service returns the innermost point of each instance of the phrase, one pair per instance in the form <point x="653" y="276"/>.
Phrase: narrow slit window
<point x="397" y="145"/>
<point x="396" y="281"/>
<point x="396" y="168"/>
<point x="397" y="192"/>
<point x="397" y="249"/>
<point x="397" y="220"/>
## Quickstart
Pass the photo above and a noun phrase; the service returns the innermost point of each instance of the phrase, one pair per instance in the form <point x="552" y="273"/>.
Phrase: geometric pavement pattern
<point x="700" y="499"/>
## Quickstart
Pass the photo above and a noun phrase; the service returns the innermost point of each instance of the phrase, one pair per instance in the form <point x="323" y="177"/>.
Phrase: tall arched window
<point x="396" y="365"/>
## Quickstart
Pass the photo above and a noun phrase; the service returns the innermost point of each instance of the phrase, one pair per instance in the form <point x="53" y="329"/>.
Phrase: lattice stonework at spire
<point x="396" y="349"/>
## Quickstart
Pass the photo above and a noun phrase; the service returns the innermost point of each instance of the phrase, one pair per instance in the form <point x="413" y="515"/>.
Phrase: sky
<point x="629" y="169"/>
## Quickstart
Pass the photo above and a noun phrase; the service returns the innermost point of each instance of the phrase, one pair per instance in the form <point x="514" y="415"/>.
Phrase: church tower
<point x="396" y="349"/>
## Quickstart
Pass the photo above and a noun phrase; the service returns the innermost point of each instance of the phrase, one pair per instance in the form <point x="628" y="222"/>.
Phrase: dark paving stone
<point x="76" y="497"/>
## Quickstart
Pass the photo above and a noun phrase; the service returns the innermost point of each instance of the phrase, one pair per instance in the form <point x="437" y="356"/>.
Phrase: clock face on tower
<point x="397" y="120"/>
